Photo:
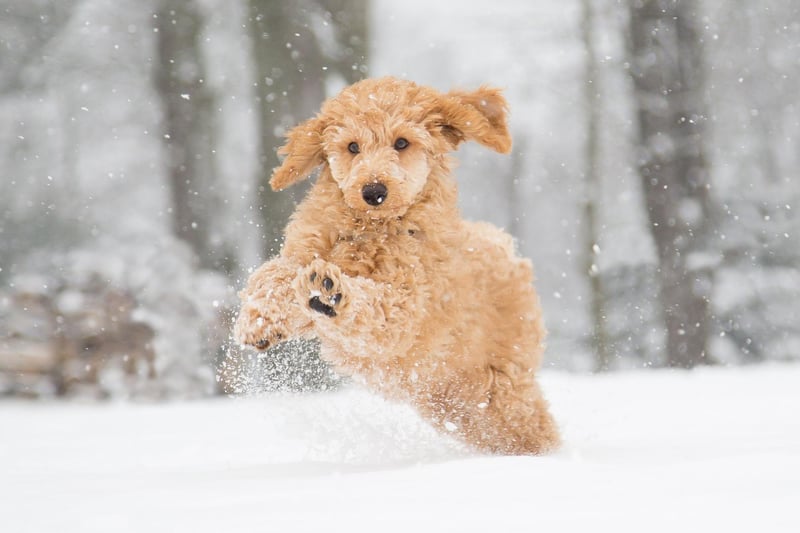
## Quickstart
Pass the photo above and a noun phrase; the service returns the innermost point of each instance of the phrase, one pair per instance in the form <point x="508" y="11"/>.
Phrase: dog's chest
<point x="376" y="254"/>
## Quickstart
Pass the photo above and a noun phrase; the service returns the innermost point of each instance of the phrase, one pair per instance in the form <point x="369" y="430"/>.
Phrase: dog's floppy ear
<point x="477" y="115"/>
<point x="303" y="151"/>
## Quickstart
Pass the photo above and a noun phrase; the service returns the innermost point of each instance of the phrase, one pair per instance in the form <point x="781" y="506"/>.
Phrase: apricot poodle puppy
<point x="405" y="296"/>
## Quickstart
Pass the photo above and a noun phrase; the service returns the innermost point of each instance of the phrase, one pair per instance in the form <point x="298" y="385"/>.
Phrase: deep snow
<point x="707" y="450"/>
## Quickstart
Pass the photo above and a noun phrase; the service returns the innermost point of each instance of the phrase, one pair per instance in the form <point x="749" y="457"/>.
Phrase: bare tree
<point x="591" y="233"/>
<point x="179" y="78"/>
<point x="299" y="47"/>
<point x="667" y="73"/>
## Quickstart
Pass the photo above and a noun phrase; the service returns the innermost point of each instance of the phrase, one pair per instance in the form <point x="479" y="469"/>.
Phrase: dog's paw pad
<point x="271" y="339"/>
<point x="317" y="305"/>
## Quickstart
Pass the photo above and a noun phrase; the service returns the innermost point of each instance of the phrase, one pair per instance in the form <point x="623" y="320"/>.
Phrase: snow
<point x="712" y="449"/>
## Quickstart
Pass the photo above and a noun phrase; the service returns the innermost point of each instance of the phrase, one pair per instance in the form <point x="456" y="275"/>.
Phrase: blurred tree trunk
<point x="293" y="65"/>
<point x="179" y="77"/>
<point x="33" y="139"/>
<point x="299" y="48"/>
<point x="591" y="233"/>
<point x="667" y="72"/>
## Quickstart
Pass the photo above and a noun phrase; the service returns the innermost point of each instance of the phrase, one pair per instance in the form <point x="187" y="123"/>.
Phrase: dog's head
<point x="381" y="139"/>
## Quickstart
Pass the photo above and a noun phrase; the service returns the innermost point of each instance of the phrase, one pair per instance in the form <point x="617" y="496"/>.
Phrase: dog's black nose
<point x="374" y="193"/>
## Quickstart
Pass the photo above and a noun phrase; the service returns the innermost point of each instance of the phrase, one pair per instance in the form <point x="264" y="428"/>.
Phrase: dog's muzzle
<point x="374" y="193"/>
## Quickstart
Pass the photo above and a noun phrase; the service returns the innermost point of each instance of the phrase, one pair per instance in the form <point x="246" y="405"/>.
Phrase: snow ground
<point x="708" y="450"/>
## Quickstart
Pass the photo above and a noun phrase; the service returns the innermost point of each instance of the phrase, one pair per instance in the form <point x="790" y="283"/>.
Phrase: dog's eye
<point x="353" y="148"/>
<point x="401" y="144"/>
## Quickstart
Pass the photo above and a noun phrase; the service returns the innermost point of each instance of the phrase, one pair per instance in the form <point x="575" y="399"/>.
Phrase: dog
<point x="404" y="295"/>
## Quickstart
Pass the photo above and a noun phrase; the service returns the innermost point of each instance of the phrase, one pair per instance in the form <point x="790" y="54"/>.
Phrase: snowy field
<point x="708" y="450"/>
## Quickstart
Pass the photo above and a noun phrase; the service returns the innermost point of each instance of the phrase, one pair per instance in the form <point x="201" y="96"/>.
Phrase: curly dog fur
<point x="378" y="264"/>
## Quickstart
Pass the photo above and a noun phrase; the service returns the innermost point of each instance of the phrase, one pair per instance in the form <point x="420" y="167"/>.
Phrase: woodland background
<point x="654" y="177"/>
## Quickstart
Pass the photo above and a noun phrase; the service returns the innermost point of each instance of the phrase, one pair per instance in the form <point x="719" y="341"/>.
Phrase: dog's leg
<point x="494" y="410"/>
<point x="360" y="317"/>
<point x="270" y="313"/>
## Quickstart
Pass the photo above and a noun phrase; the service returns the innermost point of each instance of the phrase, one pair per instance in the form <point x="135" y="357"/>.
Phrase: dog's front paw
<point x="252" y="328"/>
<point x="320" y="285"/>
